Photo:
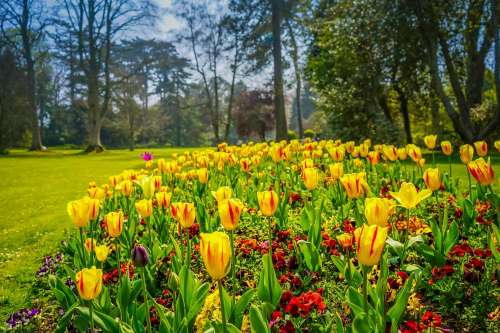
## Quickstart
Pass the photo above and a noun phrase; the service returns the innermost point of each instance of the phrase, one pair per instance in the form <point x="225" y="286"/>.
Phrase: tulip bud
<point x="101" y="252"/>
<point x="89" y="283"/>
<point x="268" y="202"/>
<point x="222" y="193"/>
<point x="336" y="170"/>
<point x="140" y="256"/>
<point x="163" y="199"/>
<point x="370" y="240"/>
<point x="144" y="207"/>
<point x="345" y="240"/>
<point x="430" y="141"/>
<point x="481" y="148"/>
<point x="355" y="184"/>
<point x="202" y="174"/>
<point x="310" y="176"/>
<point x="402" y="154"/>
<point x="432" y="179"/>
<point x="229" y="213"/>
<point x="390" y="152"/>
<point x="184" y="213"/>
<point x="215" y="249"/>
<point x="466" y="153"/>
<point x="114" y="223"/>
<point x="79" y="211"/>
<point x="447" y="148"/>
<point x="481" y="171"/>
<point x="373" y="157"/>
<point x="377" y="211"/>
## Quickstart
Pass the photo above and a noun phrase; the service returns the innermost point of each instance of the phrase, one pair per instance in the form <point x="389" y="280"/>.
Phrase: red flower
<point x="304" y="303"/>
<point x="431" y="319"/>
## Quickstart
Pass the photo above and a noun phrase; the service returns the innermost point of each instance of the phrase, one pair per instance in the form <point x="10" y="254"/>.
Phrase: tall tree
<point x="460" y="35"/>
<point x="97" y="23"/>
<point x="24" y="20"/>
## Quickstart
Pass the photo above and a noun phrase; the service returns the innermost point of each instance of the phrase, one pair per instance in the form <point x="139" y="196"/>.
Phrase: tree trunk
<point x="36" y="139"/>
<point x="298" y="78"/>
<point x="436" y="122"/>
<point x="403" y="101"/>
<point x="279" y="99"/>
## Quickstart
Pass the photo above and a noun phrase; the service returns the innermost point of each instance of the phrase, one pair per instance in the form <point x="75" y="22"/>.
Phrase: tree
<point x="254" y="113"/>
<point x="96" y="23"/>
<point x="24" y="19"/>
<point x="459" y="34"/>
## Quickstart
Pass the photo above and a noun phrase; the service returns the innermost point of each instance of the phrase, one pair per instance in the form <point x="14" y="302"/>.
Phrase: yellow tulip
<point x="363" y="150"/>
<point x="390" y="152"/>
<point x="215" y="249"/>
<point x="414" y="152"/>
<point x="345" y="240"/>
<point x="78" y="210"/>
<point x="497" y="145"/>
<point x="89" y="283"/>
<point x="373" y="157"/>
<point x="157" y="182"/>
<point x="349" y="146"/>
<point x="432" y="179"/>
<point x="336" y="170"/>
<point x="202" y="174"/>
<point x="114" y="180"/>
<point x="408" y="196"/>
<point x="148" y="186"/>
<point x="114" y="223"/>
<point x="89" y="244"/>
<point x="268" y="202"/>
<point x="222" y="193"/>
<point x="466" y="153"/>
<point x="358" y="163"/>
<point x="310" y="176"/>
<point x="101" y="252"/>
<point x="370" y="241"/>
<point x="446" y="147"/>
<point x="307" y="163"/>
<point x="355" y="152"/>
<point x="126" y="187"/>
<point x="337" y="153"/>
<point x="355" y="184"/>
<point x="94" y="205"/>
<point x="96" y="193"/>
<point x="430" y="141"/>
<point x="144" y="207"/>
<point x="245" y="164"/>
<point x="481" y="148"/>
<point x="161" y="165"/>
<point x="421" y="162"/>
<point x="163" y="199"/>
<point x="229" y="212"/>
<point x="184" y="213"/>
<point x="402" y="154"/>
<point x="377" y="211"/>
<point x="481" y="171"/>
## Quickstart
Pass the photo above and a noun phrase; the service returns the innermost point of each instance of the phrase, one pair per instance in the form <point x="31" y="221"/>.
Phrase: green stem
<point x="233" y="269"/>
<point x="221" y="296"/>
<point x="365" y="288"/>
<point x="91" y="312"/>
<point x="270" y="237"/>
<point x="82" y="248"/>
<point x="118" y="260"/>
<point x="146" y="298"/>
<point x="470" y="186"/>
<point x="188" y="250"/>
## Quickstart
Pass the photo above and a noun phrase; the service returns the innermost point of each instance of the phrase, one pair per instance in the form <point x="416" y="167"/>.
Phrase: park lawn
<point x="35" y="190"/>
<point x="33" y="219"/>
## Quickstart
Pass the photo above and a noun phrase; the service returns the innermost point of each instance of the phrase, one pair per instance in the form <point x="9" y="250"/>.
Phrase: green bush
<point x="292" y="135"/>
<point x="309" y="133"/>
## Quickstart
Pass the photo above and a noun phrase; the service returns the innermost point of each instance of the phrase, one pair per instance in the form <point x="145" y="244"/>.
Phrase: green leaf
<point x="398" y="308"/>
<point x="268" y="289"/>
<point x="451" y="237"/>
<point x="398" y="247"/>
<point x="356" y="302"/>
<point x="361" y="325"/>
<point x="257" y="322"/>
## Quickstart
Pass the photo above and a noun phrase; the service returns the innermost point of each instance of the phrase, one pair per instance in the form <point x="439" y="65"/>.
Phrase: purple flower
<point x="140" y="256"/>
<point x="22" y="317"/>
<point x="147" y="156"/>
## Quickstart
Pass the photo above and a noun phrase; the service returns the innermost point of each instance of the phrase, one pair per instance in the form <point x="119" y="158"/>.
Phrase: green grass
<point x="35" y="190"/>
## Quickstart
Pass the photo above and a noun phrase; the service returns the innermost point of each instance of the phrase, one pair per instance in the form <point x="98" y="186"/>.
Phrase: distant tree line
<point x="82" y="72"/>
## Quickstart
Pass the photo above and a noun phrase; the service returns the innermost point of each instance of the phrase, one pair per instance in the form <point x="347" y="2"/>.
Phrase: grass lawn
<point x="35" y="190"/>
